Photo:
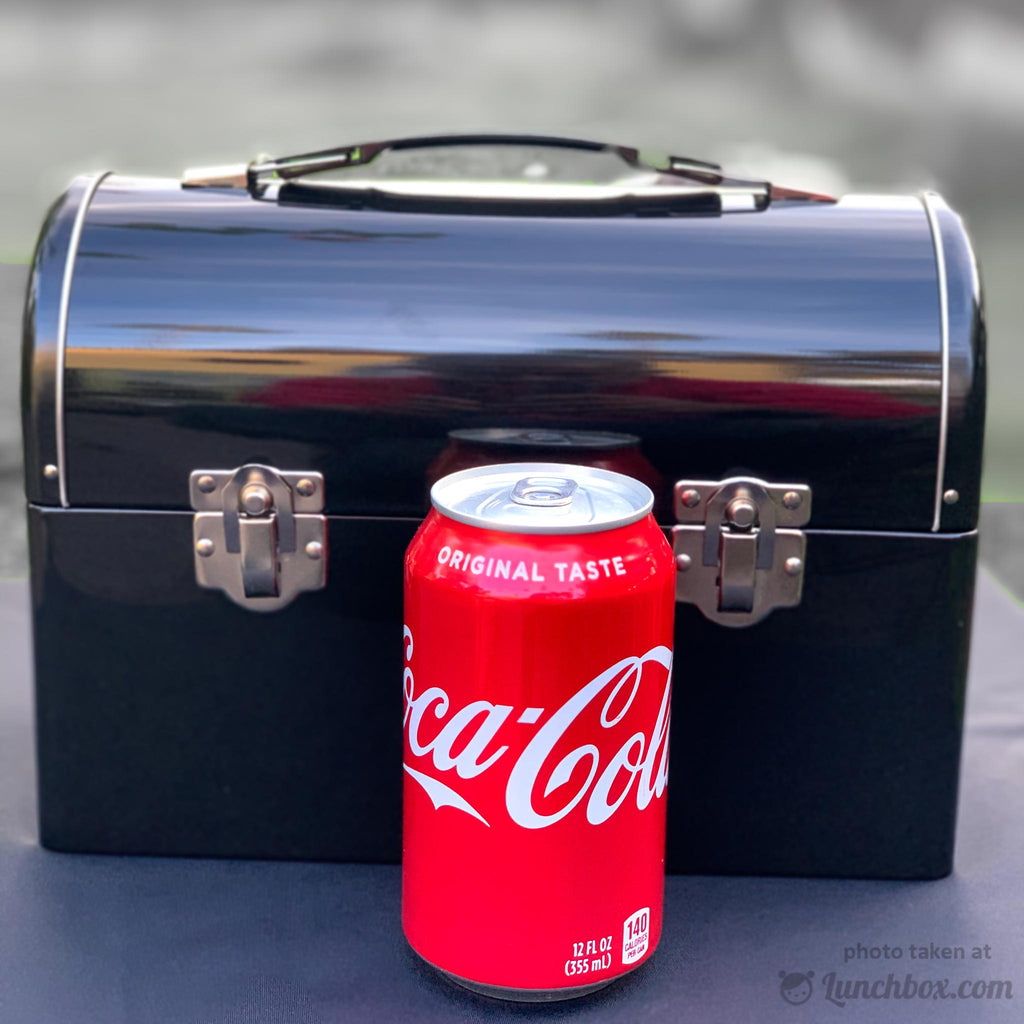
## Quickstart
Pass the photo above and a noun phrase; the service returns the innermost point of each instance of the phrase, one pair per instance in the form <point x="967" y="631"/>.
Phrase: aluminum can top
<point x="540" y="438"/>
<point x="542" y="497"/>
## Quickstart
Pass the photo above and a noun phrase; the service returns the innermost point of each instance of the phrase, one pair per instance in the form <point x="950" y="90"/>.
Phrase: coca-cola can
<point x="539" y="603"/>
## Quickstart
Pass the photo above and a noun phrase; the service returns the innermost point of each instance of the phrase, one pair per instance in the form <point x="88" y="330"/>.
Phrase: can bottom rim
<point x="522" y="995"/>
<point x="526" y="995"/>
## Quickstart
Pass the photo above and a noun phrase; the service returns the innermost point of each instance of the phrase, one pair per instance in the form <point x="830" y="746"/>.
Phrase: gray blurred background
<point x="890" y="95"/>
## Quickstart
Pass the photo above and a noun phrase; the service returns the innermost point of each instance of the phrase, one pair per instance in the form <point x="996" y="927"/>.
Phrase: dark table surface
<point x="125" y="940"/>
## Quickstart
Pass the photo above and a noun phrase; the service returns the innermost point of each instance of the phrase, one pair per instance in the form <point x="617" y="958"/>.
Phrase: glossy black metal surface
<point x="967" y="371"/>
<point x="41" y="345"/>
<point x="823" y="741"/>
<point x="211" y="329"/>
<point x="826" y="739"/>
<point x="171" y="721"/>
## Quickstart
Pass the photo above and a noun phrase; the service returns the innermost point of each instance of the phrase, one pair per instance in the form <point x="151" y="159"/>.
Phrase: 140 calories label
<point x="636" y="931"/>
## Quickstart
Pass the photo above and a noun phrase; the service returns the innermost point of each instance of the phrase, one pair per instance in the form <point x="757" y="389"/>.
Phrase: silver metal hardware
<point x="928" y="201"/>
<point x="741" y="513"/>
<point x="951" y="497"/>
<point x="62" y="335"/>
<point x="221" y="176"/>
<point x="740" y="552"/>
<point x="256" y="498"/>
<point x="50" y="471"/>
<point x="258" y="533"/>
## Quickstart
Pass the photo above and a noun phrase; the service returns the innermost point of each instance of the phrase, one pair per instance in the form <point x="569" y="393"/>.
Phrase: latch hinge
<point x="739" y="550"/>
<point x="257" y="533"/>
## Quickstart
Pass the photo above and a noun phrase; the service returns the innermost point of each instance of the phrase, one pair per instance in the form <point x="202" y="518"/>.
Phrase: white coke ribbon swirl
<point x="644" y="758"/>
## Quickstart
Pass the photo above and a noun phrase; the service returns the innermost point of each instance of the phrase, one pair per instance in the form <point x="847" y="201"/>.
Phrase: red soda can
<point x="539" y="604"/>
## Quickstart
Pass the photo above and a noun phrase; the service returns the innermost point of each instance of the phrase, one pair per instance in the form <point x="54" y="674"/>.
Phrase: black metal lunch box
<point x="236" y="386"/>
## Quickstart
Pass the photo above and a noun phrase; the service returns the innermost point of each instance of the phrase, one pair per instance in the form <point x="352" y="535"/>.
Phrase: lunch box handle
<point x="291" y="167"/>
<point x="692" y="186"/>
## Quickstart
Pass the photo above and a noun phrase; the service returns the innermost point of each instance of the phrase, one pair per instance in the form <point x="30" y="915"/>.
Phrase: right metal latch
<point x="739" y="552"/>
<point x="258" y="534"/>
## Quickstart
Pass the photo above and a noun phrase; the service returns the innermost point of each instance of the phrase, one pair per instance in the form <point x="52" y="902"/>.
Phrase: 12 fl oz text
<point x="589" y="956"/>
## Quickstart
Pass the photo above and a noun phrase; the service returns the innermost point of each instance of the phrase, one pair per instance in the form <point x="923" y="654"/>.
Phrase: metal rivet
<point x="794" y="566"/>
<point x="256" y="499"/>
<point x="315" y="550"/>
<point x="204" y="547"/>
<point x="741" y="512"/>
<point x="683" y="562"/>
<point x="951" y="497"/>
<point x="305" y="487"/>
<point x="206" y="483"/>
<point x="50" y="471"/>
<point x="792" y="499"/>
<point x="690" y="497"/>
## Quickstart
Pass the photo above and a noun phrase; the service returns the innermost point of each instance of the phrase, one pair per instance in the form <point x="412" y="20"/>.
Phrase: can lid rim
<point x="638" y="494"/>
<point x="511" y="437"/>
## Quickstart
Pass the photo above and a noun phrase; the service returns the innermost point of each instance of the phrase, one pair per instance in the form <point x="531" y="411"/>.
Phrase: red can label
<point x="537" y="708"/>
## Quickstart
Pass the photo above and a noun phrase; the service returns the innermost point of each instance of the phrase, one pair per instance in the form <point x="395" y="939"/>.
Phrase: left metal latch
<point x="258" y="534"/>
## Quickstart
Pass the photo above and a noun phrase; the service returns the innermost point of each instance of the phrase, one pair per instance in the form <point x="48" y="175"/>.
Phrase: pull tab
<point x="257" y="534"/>
<point x="544" y="491"/>
<point x="739" y="553"/>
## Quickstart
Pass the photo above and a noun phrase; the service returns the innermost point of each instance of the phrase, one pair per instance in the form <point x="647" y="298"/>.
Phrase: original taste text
<point x="534" y="572"/>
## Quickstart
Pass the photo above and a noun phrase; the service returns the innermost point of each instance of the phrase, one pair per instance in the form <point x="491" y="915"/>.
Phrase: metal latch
<point x="258" y="535"/>
<point x="739" y="552"/>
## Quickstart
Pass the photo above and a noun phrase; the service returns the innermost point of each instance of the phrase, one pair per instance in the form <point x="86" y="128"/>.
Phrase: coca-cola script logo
<point x="642" y="759"/>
